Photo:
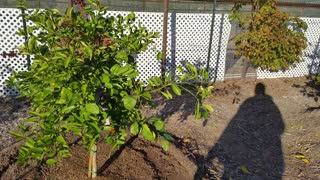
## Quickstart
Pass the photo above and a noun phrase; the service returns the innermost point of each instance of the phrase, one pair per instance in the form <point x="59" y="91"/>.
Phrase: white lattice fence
<point x="190" y="36"/>
<point x="311" y="55"/>
<point x="9" y="24"/>
<point x="188" y="40"/>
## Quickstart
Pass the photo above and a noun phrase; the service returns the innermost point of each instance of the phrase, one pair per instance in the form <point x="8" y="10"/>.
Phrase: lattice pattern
<point x="9" y="24"/>
<point x="190" y="36"/>
<point x="311" y="55"/>
<point x="148" y="66"/>
<point x="188" y="40"/>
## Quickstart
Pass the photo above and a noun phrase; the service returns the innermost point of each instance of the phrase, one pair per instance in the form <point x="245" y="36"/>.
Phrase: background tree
<point x="270" y="39"/>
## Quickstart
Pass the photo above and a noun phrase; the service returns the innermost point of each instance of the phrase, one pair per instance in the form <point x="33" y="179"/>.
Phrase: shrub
<point x="83" y="80"/>
<point x="271" y="39"/>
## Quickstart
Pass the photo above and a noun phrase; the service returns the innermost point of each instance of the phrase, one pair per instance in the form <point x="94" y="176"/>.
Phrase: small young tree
<point x="270" y="39"/>
<point x="83" y="80"/>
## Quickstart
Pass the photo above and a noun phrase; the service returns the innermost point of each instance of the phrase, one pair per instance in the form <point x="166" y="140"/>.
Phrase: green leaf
<point x="191" y="68"/>
<point x="36" y="113"/>
<point x="208" y="107"/>
<point x="62" y="141"/>
<point x="159" y="125"/>
<point x="115" y="69"/>
<point x="167" y="137"/>
<point x="15" y="134"/>
<point x="244" y="170"/>
<point x="37" y="150"/>
<point x="105" y="78"/>
<point x="68" y="109"/>
<point x="197" y="111"/>
<point x="205" y="114"/>
<point x="32" y="120"/>
<point x="122" y="56"/>
<point x="88" y="51"/>
<point x="64" y="153"/>
<point x="78" y="117"/>
<point x="51" y="161"/>
<point x="95" y="127"/>
<point x="151" y="82"/>
<point x="99" y="26"/>
<point x="159" y="56"/>
<point x="69" y="12"/>
<point x="31" y="44"/>
<point x="67" y="61"/>
<point x="109" y="140"/>
<point x="169" y="77"/>
<point x="23" y="128"/>
<point x="92" y="108"/>
<point x="133" y="75"/>
<point x="129" y="102"/>
<point x="167" y="94"/>
<point x="146" y="132"/>
<point x="147" y="95"/>
<point x="176" y="89"/>
<point x="66" y="95"/>
<point x="84" y="89"/>
<point x="165" y="144"/>
<point x="130" y="17"/>
<point x="75" y="128"/>
<point x="134" y="128"/>
<point x="179" y="69"/>
<point x="61" y="101"/>
<point x="183" y="77"/>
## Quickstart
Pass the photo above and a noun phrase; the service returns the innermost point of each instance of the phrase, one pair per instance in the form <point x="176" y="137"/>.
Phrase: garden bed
<point x="249" y="136"/>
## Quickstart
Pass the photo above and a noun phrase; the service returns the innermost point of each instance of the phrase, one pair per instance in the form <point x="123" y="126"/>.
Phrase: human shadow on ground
<point x="250" y="146"/>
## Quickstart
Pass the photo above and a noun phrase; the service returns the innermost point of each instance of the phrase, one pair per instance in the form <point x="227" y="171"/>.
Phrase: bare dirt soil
<point x="265" y="129"/>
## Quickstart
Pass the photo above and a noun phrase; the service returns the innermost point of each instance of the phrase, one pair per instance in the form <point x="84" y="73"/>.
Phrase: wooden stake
<point x="90" y="164"/>
<point x="94" y="161"/>
<point x="92" y="168"/>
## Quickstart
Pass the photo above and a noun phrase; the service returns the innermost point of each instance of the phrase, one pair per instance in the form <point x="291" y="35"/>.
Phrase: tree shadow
<point x="311" y="90"/>
<point x="129" y="144"/>
<point x="250" y="146"/>
<point x="115" y="155"/>
<point x="184" y="104"/>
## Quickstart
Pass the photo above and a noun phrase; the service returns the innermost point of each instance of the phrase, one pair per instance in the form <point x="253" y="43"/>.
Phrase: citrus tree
<point x="83" y="80"/>
<point x="270" y="39"/>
